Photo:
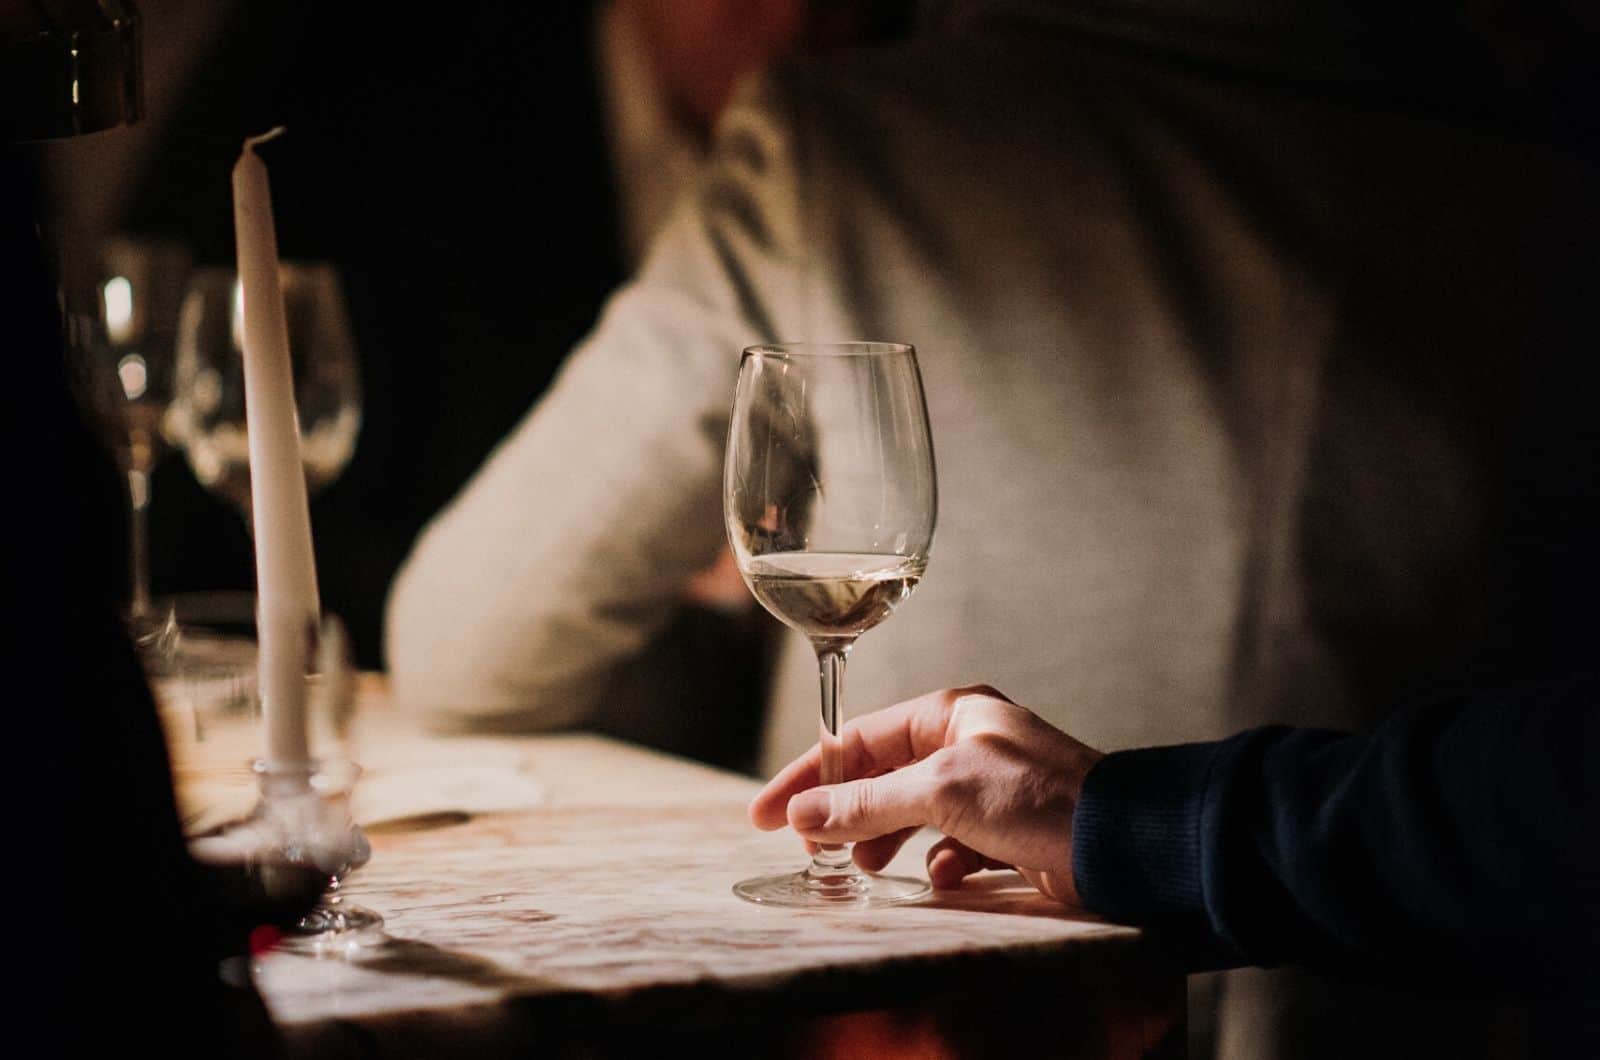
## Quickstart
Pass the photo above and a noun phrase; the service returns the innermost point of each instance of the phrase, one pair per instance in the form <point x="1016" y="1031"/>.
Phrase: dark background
<point x="455" y="170"/>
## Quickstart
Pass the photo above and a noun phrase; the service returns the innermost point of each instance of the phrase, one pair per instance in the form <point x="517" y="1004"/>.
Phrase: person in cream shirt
<point x="1237" y="340"/>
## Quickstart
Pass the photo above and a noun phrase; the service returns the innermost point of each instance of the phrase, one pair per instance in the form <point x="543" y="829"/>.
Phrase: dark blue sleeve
<point x="1465" y="833"/>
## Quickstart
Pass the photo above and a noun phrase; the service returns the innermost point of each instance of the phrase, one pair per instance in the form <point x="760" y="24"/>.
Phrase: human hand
<point x="997" y="780"/>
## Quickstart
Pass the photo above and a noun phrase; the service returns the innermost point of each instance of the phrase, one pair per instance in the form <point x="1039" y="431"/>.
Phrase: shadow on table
<point x="1006" y="893"/>
<point x="397" y="956"/>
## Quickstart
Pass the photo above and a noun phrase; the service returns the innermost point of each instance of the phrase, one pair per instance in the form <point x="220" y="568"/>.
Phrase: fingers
<point x="867" y="809"/>
<point x="873" y="854"/>
<point x="886" y="739"/>
<point x="950" y="862"/>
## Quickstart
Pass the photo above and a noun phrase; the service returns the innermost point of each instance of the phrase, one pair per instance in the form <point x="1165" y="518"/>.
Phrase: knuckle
<point x="859" y="804"/>
<point x="988" y="745"/>
<point x="949" y="712"/>
<point x="960" y="692"/>
<point x="946" y="765"/>
<point x="971" y="705"/>
<point x="953" y="785"/>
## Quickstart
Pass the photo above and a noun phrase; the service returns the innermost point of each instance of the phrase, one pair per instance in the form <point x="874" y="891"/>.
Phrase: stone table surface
<point x="539" y="884"/>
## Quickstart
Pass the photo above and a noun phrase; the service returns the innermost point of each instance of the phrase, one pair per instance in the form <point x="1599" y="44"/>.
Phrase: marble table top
<point x="576" y="870"/>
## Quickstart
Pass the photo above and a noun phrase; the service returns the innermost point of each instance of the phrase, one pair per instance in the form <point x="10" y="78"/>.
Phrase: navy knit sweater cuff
<point x="1136" y="836"/>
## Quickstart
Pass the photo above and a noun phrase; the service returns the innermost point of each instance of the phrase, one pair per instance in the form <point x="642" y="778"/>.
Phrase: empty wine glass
<point x="209" y="410"/>
<point x="337" y="844"/>
<point x="123" y="318"/>
<point x="830" y="501"/>
<point x="303" y="817"/>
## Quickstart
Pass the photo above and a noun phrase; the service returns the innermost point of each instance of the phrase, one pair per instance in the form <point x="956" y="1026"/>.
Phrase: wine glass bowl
<point x="830" y="500"/>
<point x="209" y="411"/>
<point x="124" y="322"/>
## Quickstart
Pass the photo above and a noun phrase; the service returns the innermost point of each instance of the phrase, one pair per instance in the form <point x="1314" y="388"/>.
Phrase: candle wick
<point x="251" y="142"/>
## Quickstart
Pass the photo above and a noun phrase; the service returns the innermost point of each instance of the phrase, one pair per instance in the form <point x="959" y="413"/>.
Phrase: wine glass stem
<point x="832" y="859"/>
<point x="139" y="541"/>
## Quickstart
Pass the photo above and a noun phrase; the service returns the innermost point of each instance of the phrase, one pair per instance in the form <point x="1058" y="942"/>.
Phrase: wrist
<point x="1079" y="778"/>
<point x="1136" y="834"/>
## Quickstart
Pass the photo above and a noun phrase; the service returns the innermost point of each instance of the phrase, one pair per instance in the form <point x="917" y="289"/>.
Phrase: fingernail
<point x="809" y="809"/>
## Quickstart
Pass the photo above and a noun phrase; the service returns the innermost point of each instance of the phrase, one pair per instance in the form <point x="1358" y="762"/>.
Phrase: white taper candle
<point x="286" y="576"/>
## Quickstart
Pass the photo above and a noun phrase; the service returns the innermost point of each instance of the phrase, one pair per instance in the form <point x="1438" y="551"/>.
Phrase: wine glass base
<point x="335" y="924"/>
<point x="802" y="890"/>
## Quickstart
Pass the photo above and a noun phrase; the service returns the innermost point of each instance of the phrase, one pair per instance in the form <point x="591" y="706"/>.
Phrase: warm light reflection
<point x="118" y="295"/>
<point x="236" y="321"/>
<point x="205" y="392"/>
<point x="133" y="374"/>
<point x="220" y="454"/>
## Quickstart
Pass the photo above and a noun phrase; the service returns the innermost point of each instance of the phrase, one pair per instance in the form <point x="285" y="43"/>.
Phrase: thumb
<point x="864" y="809"/>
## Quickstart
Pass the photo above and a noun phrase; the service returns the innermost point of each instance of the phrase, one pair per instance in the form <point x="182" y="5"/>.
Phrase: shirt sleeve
<point x="1463" y="833"/>
<point x="570" y="547"/>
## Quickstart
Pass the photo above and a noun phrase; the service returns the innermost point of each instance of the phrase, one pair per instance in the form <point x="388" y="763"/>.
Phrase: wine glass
<point x="302" y="816"/>
<point x="209" y="412"/>
<point x="830" y="501"/>
<point x="337" y="844"/>
<point x="122" y="326"/>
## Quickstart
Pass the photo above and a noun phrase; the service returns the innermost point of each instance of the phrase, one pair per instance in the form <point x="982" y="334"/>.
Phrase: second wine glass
<point x="122" y="305"/>
<point x="208" y="417"/>
<point x="830" y="500"/>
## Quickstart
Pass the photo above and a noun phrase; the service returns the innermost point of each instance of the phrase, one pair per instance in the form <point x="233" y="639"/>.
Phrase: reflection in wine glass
<point x="830" y="501"/>
<point x="123" y="316"/>
<point x="209" y="411"/>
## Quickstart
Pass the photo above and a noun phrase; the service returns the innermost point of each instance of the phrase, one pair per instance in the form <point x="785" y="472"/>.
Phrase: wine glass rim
<point x="830" y="349"/>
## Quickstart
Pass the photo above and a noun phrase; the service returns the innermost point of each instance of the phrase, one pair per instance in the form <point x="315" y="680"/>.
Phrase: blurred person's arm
<point x="1459" y="836"/>
<point x="574" y="544"/>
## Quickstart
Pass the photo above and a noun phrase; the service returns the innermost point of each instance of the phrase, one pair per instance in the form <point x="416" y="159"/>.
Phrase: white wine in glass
<point x="830" y="500"/>
<point x="833" y="594"/>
